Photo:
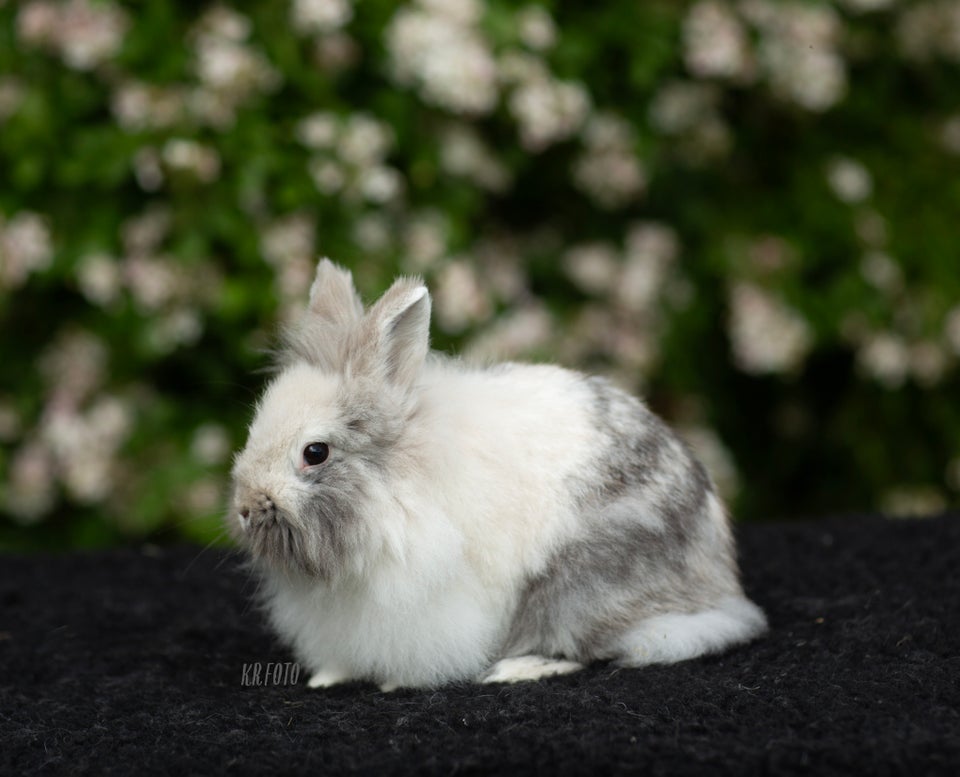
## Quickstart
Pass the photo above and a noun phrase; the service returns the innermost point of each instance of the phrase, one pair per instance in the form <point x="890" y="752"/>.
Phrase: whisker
<point x="219" y="536"/>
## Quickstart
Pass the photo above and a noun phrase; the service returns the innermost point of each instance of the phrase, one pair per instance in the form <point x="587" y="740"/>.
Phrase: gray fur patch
<point x="319" y="344"/>
<point x="646" y="522"/>
<point x="375" y="417"/>
<point x="641" y="455"/>
<point x="323" y="534"/>
<point x="333" y="523"/>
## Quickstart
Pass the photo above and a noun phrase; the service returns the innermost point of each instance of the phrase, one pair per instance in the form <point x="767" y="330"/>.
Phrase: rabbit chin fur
<point x="498" y="523"/>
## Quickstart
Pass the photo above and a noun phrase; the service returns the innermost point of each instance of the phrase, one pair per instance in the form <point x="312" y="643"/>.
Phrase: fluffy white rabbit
<point x="417" y="520"/>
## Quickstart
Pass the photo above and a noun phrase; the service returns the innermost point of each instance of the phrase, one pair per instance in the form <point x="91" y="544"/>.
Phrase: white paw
<point x="389" y="687"/>
<point x="523" y="668"/>
<point x="325" y="678"/>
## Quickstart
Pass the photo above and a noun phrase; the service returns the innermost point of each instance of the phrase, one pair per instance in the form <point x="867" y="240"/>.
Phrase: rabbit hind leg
<point x="672" y="637"/>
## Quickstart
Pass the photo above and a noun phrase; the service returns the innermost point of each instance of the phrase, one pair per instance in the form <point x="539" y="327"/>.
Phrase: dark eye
<point x="315" y="453"/>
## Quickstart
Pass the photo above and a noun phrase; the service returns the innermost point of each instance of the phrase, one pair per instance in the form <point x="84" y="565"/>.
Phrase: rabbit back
<point x="653" y="540"/>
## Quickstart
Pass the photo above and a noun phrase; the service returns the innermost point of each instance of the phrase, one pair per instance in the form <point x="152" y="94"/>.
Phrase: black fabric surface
<point x="131" y="662"/>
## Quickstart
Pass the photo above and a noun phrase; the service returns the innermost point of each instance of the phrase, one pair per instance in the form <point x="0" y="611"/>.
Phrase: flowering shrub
<point x="744" y="209"/>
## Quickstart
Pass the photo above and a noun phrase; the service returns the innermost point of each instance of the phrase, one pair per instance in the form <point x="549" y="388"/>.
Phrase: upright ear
<point x="333" y="299"/>
<point x="394" y="337"/>
<point x="332" y="315"/>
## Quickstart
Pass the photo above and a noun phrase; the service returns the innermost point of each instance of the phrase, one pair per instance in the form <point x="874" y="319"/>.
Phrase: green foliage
<point x="745" y="211"/>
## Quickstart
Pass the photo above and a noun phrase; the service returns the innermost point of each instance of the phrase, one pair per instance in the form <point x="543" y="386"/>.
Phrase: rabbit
<point x="417" y="520"/>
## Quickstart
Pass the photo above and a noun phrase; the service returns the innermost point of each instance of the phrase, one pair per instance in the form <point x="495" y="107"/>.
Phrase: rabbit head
<point x="310" y="481"/>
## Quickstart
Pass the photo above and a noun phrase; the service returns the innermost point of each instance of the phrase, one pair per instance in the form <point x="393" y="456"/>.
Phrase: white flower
<point x="463" y="153"/>
<point x="548" y="111"/>
<point x="328" y="176"/>
<point x="767" y="336"/>
<point x="26" y="247"/>
<point x="650" y="250"/>
<point x="223" y="22"/>
<point x="293" y="276"/>
<point x="536" y="27"/>
<point x="38" y="22"/>
<point x="99" y="278"/>
<point x="681" y="106"/>
<point x="798" y="51"/>
<point x="372" y="233"/>
<point x="517" y="334"/>
<point x="364" y="141"/>
<point x="223" y="64"/>
<point x="425" y="239"/>
<point x="600" y="331"/>
<point x="92" y="33"/>
<point x="73" y="366"/>
<point x="194" y="159"/>
<point x="291" y="238"/>
<point x="350" y="156"/>
<point x="593" y="267"/>
<point x="609" y="171"/>
<point x="229" y="69"/>
<point x="814" y="80"/>
<point x="309" y="16"/>
<point x="464" y="12"/>
<point x="139" y="106"/>
<point x="438" y="48"/>
<point x="204" y="497"/>
<point x="913" y="501"/>
<point x="715" y="42"/>
<point x="885" y="357"/>
<point x="460" y="297"/>
<point x="318" y="130"/>
<point x="380" y="184"/>
<point x="83" y="33"/>
<point x="210" y="444"/>
<point x="849" y="180"/>
<point x="85" y="446"/>
<point x="865" y="6"/>
<point x="154" y="282"/>
<point x="930" y="29"/>
<point x="147" y="169"/>
<point x="951" y="329"/>
<point x="881" y="271"/>
<point x="181" y="326"/>
<point x="143" y="234"/>
<point x="504" y="265"/>
<point x="29" y="492"/>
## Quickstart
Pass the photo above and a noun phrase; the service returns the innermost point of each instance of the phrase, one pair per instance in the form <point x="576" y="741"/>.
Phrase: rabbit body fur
<point x="471" y="523"/>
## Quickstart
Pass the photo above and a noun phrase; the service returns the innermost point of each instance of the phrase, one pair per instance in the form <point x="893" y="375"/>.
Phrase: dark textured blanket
<point x="153" y="660"/>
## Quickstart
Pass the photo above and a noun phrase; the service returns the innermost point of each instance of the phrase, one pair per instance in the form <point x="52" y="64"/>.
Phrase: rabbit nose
<point x="259" y="510"/>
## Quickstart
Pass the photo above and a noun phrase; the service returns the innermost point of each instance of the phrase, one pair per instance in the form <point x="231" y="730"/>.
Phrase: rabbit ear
<point x="333" y="313"/>
<point x="394" y="337"/>
<point x="333" y="298"/>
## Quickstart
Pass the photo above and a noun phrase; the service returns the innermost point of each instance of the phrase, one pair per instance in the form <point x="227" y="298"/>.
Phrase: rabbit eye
<point x="315" y="453"/>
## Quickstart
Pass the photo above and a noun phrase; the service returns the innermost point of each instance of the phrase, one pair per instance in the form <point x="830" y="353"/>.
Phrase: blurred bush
<point x="745" y="210"/>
